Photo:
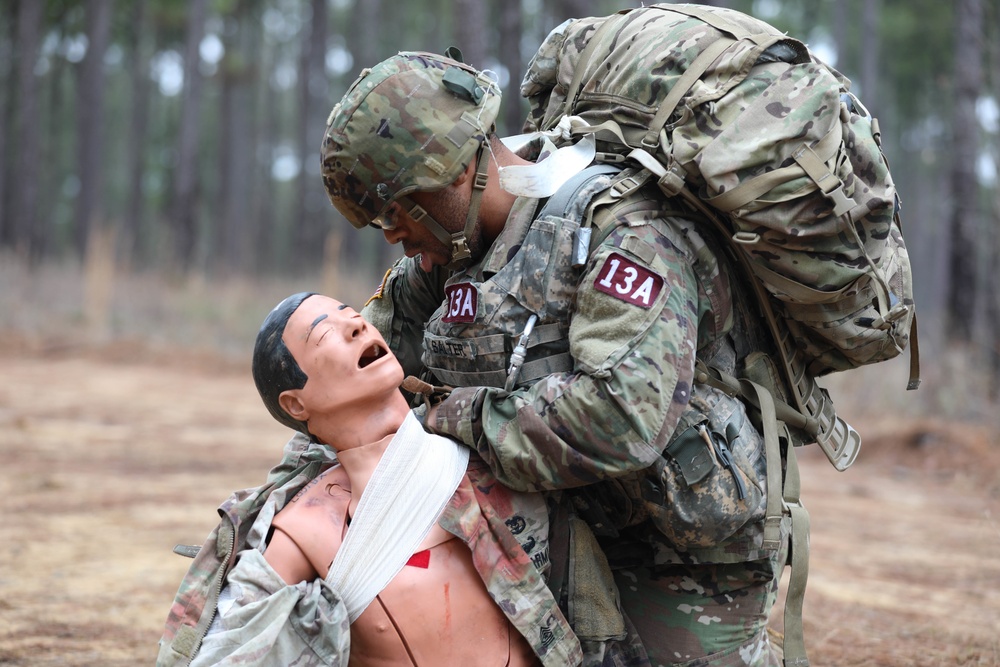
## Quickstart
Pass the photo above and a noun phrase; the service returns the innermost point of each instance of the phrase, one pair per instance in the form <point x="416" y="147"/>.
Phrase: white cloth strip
<point x="411" y="486"/>
<point x="544" y="178"/>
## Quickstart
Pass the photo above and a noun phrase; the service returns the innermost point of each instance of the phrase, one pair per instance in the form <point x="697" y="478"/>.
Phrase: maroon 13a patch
<point x="624" y="279"/>
<point x="463" y="303"/>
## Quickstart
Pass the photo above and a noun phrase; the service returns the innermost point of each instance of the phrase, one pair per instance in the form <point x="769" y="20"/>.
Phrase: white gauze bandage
<point x="412" y="483"/>
<point x="544" y="178"/>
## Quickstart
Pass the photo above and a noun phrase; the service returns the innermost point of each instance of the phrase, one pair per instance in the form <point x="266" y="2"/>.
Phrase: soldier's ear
<point x="468" y="173"/>
<point x="291" y="403"/>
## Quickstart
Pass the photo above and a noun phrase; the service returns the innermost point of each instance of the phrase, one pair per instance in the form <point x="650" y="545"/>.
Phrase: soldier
<point x="570" y="354"/>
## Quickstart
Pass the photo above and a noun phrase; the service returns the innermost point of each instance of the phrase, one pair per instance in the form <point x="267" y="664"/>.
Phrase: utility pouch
<point x="710" y="481"/>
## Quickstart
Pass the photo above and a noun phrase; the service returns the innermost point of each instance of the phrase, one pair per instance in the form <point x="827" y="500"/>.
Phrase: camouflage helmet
<point x="412" y="123"/>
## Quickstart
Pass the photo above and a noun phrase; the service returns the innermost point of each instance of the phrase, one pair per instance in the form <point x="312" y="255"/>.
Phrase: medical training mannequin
<point x="469" y="593"/>
<point x="352" y="403"/>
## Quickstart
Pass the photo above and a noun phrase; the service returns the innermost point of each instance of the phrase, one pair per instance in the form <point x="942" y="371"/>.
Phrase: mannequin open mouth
<point x="371" y="355"/>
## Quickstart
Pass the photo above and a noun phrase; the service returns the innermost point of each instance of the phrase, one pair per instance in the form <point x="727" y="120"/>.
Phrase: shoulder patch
<point x="463" y="303"/>
<point x="630" y="282"/>
<point x="380" y="292"/>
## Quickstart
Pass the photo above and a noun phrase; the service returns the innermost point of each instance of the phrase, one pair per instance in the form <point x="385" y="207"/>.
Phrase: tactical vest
<point x="510" y="328"/>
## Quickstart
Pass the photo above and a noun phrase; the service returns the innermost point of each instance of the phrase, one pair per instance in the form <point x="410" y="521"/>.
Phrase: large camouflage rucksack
<point x="765" y="140"/>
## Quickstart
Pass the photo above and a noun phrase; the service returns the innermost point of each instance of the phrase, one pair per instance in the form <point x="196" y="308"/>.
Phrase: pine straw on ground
<point x="112" y="454"/>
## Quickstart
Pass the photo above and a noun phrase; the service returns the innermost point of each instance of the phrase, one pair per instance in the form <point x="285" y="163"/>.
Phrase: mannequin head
<point x="321" y="369"/>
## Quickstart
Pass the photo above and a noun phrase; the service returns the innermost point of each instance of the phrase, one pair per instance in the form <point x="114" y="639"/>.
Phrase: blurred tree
<point x="965" y="219"/>
<point x="510" y="29"/>
<point x="314" y="93"/>
<point x="469" y="31"/>
<point x="7" y="37"/>
<point x="25" y="224"/>
<point x="238" y="145"/>
<point x="264" y="209"/>
<point x="90" y="121"/>
<point x="576" y="9"/>
<point x="137" y="51"/>
<point x="363" y="33"/>
<point x="871" y="53"/>
<point x="184" y="208"/>
<point x="991" y="23"/>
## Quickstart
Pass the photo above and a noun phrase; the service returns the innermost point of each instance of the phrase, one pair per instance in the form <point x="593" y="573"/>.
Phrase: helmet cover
<point x="412" y="123"/>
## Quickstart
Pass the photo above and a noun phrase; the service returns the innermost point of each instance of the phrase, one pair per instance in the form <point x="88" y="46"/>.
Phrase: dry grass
<point x="68" y="306"/>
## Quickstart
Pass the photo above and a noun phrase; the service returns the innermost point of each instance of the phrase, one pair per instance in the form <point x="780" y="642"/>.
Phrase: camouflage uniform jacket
<point x="307" y="624"/>
<point x="606" y="396"/>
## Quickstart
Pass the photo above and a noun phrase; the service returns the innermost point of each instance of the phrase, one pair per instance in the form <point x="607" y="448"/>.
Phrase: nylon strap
<point x="785" y="499"/>
<point x="476" y="346"/>
<point x="419" y="214"/>
<point x="795" y="645"/>
<point x="460" y="253"/>
<point x="530" y="371"/>
<point x="799" y="293"/>
<point x="772" y="454"/>
<point x="825" y="149"/>
<point x="581" y="65"/>
<point x="720" y="23"/>
<point x="691" y="76"/>
<point x="830" y="185"/>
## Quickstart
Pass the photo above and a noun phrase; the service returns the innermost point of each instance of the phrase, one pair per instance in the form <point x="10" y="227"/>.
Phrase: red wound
<point x="420" y="559"/>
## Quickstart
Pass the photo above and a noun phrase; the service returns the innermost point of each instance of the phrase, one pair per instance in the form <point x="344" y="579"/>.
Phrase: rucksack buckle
<point x="671" y="183"/>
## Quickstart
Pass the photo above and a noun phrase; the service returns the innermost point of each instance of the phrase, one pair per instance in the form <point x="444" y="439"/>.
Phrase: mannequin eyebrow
<point x="314" y="323"/>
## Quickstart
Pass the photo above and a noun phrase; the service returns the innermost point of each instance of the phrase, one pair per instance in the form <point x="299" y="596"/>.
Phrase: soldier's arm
<point x="632" y="337"/>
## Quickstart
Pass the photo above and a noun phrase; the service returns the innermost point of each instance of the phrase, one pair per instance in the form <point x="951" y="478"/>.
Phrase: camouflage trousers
<point x="703" y="615"/>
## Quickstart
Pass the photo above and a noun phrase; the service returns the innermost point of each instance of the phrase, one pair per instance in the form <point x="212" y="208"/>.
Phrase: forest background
<point x="174" y="143"/>
<point x="160" y="192"/>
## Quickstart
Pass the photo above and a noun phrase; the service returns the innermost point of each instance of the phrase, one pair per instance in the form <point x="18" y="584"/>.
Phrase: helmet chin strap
<point x="461" y="255"/>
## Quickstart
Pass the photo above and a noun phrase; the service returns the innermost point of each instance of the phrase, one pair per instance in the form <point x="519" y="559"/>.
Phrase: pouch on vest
<point x="710" y="481"/>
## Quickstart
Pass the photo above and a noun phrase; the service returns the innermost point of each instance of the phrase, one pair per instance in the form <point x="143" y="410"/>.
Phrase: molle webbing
<point x="479" y="347"/>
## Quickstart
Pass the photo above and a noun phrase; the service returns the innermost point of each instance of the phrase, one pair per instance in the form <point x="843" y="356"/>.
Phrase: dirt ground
<point x="108" y="459"/>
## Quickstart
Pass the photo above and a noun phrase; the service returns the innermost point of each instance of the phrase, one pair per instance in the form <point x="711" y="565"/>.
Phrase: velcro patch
<point x="463" y="303"/>
<point x="380" y="292"/>
<point x="625" y="280"/>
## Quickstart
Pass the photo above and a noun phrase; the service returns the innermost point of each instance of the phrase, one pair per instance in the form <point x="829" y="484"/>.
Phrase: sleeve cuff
<point x="454" y="415"/>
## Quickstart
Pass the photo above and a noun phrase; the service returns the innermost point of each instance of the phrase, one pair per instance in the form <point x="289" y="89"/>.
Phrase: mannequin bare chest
<point x="436" y="611"/>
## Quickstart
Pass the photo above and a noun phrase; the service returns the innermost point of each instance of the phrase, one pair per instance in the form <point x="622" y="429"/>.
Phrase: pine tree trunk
<point x="469" y="31"/>
<point x="184" y="214"/>
<point x="964" y="186"/>
<point x="138" y="124"/>
<point x="26" y="137"/>
<point x="870" y="54"/>
<point x="313" y="97"/>
<point x="511" y="26"/>
<point x="237" y="143"/>
<point x="90" y="124"/>
<point x="7" y="40"/>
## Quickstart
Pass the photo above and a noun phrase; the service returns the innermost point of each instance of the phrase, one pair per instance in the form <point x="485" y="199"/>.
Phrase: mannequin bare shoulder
<point x="309" y="530"/>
